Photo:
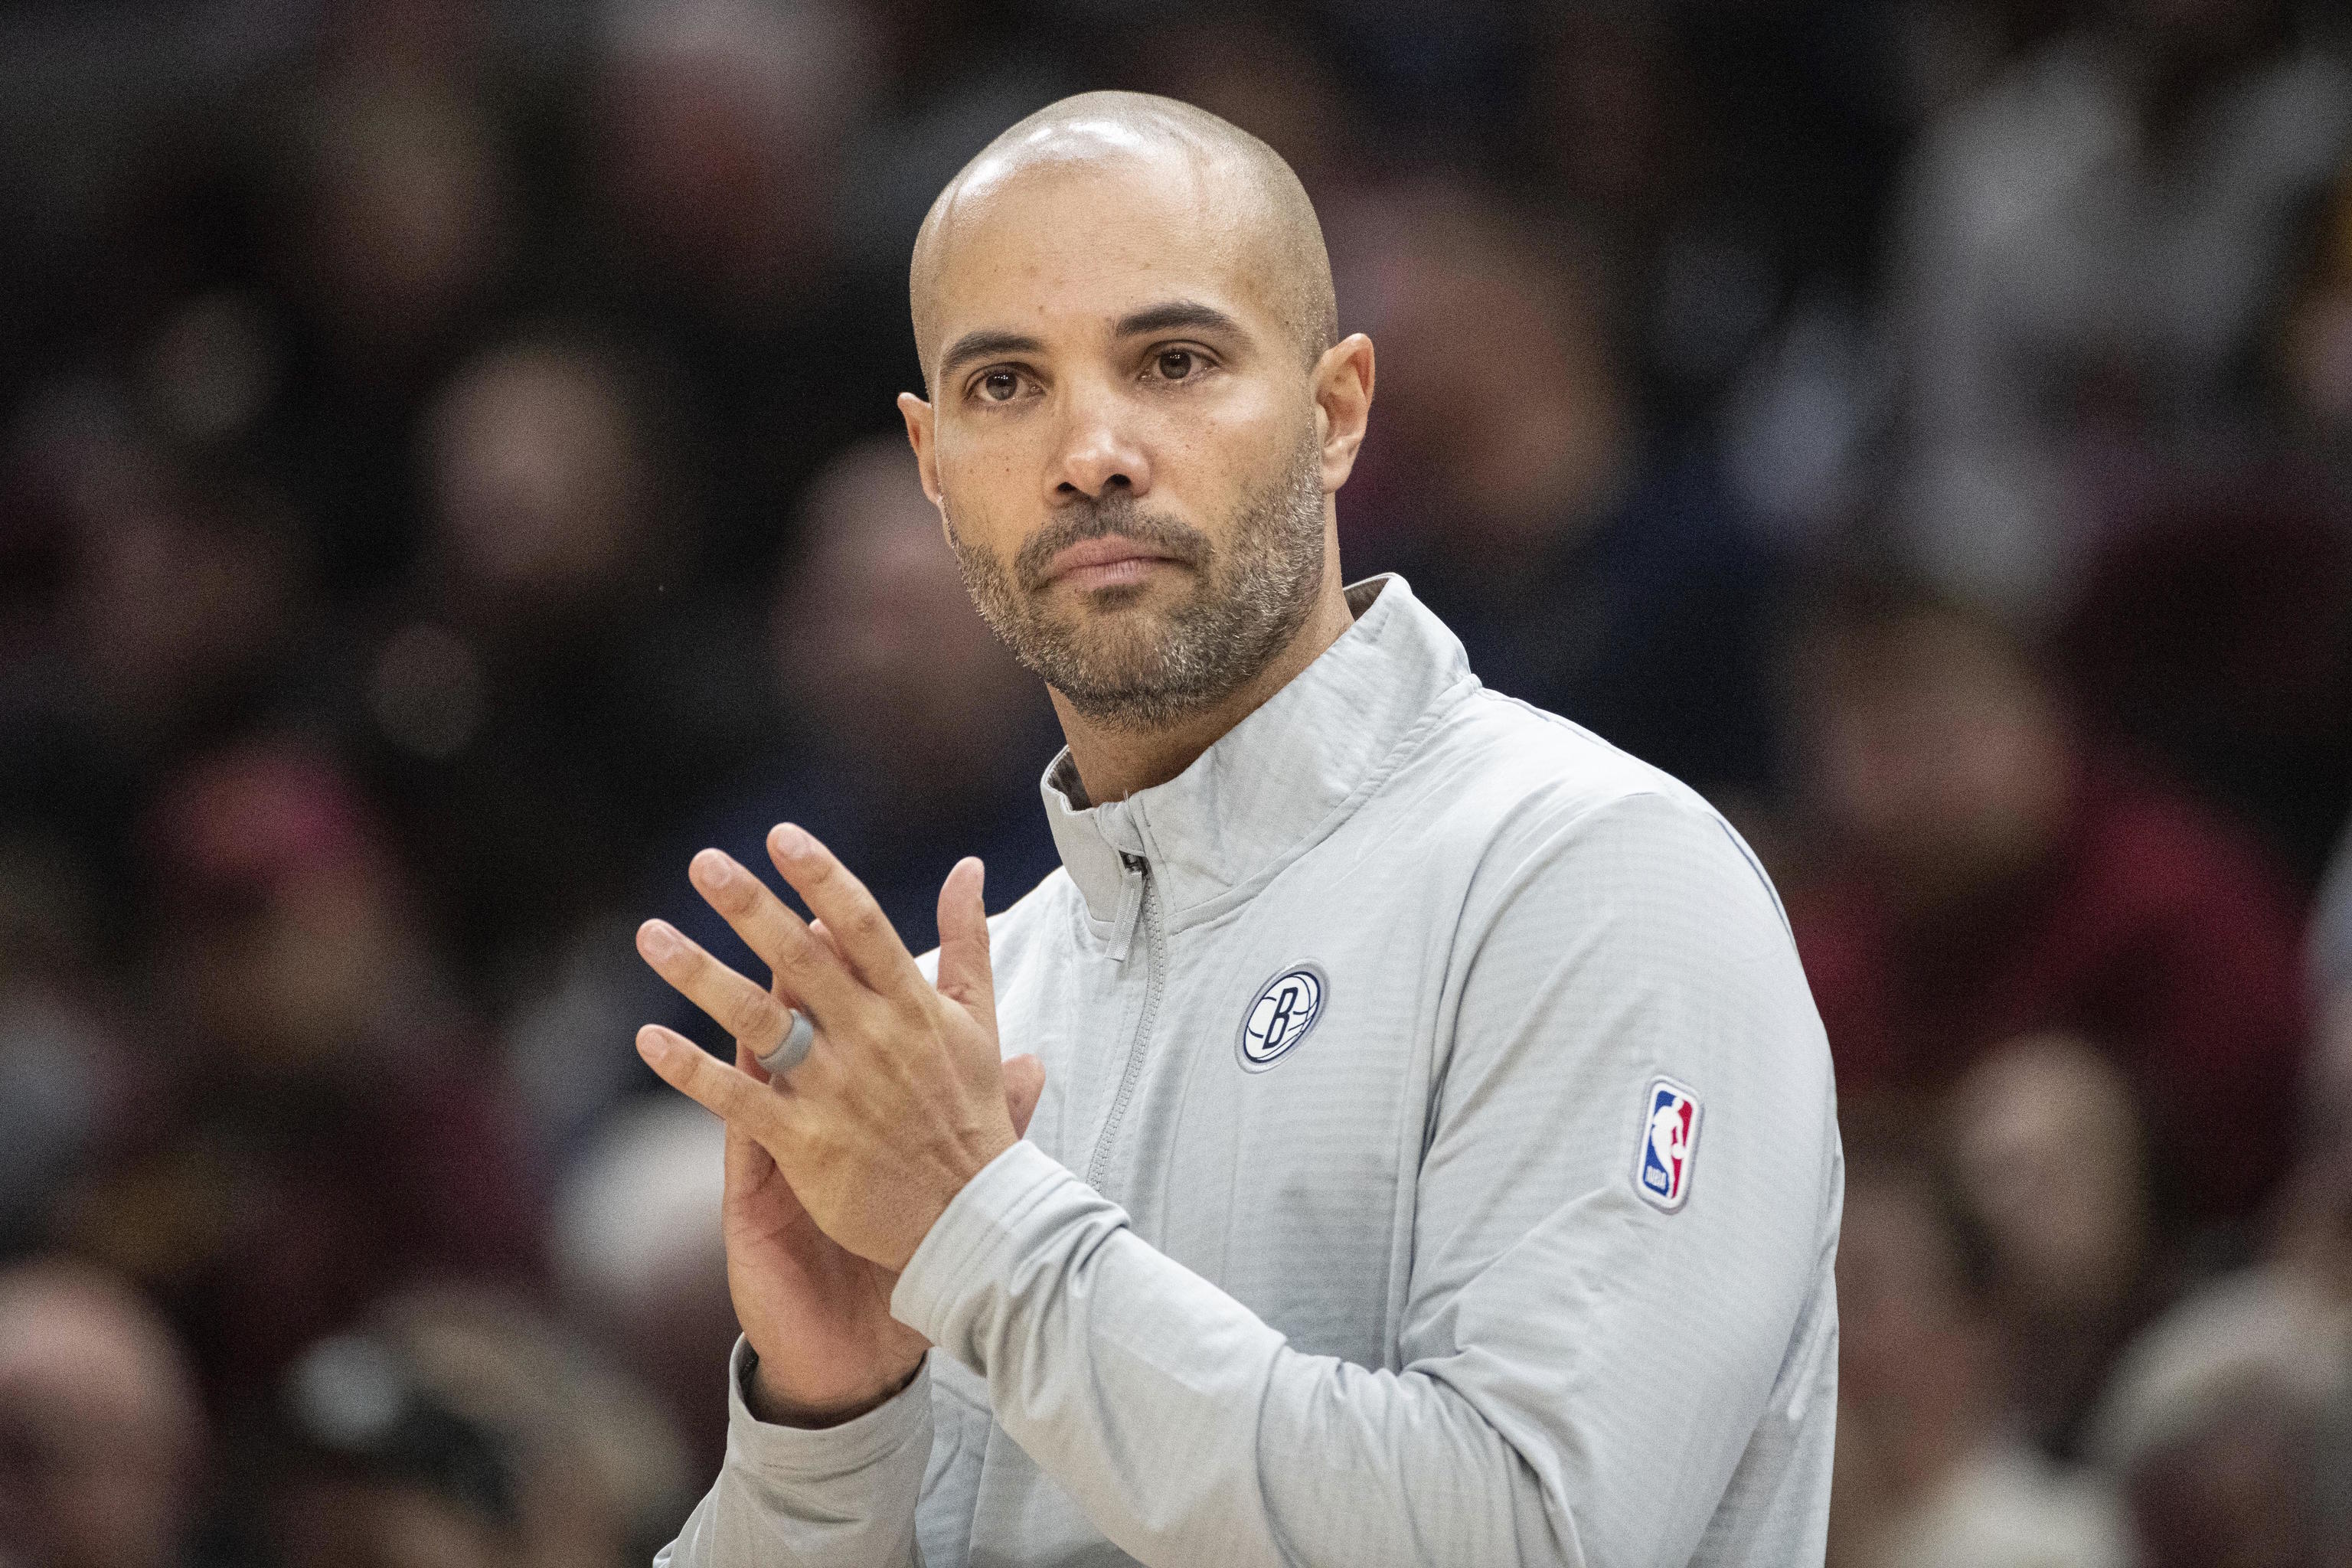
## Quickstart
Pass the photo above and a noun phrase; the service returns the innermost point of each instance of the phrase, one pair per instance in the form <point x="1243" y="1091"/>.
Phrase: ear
<point x="921" y="425"/>
<point x="1343" y="404"/>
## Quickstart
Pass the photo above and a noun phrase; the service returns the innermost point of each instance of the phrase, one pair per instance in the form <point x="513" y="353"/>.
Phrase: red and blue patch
<point x="1662" y="1164"/>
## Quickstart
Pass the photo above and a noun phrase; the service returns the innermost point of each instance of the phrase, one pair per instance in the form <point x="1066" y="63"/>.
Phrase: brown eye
<point x="1176" y="364"/>
<point x="999" y="385"/>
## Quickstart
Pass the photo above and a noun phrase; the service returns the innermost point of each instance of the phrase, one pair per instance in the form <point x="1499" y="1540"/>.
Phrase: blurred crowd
<point x="449" y="473"/>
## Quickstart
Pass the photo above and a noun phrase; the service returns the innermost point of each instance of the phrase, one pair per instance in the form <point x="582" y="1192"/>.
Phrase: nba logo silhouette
<point x="1662" y="1163"/>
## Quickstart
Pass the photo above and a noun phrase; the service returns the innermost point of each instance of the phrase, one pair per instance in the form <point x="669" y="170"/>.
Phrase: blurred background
<point x="449" y="474"/>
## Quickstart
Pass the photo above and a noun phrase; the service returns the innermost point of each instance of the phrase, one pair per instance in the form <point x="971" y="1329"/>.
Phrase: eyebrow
<point x="1174" y="315"/>
<point x="985" y="345"/>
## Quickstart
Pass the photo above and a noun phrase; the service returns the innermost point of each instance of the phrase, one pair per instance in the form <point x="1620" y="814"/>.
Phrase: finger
<point x="805" y="967"/>
<point x="965" y="975"/>
<point x="749" y="1163"/>
<point x="816" y="929"/>
<point x="750" y="1167"/>
<point x="737" y="1100"/>
<point x="1024" y="1082"/>
<point x="742" y="1008"/>
<point x="748" y="1062"/>
<point x="860" y="928"/>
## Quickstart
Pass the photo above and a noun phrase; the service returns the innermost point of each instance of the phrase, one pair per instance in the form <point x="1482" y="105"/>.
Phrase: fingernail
<point x="652" y="1044"/>
<point x="791" y="840"/>
<point x="709" y="869"/>
<point x="656" y="940"/>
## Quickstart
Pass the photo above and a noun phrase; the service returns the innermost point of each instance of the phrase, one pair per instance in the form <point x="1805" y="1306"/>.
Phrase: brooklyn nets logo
<point x="1285" y="1010"/>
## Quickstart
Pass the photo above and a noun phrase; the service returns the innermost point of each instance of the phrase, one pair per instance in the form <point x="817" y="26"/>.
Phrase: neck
<point x="1113" y="761"/>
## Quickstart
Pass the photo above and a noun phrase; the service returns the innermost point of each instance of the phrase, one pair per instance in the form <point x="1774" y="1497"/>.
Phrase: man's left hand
<point x="901" y="1100"/>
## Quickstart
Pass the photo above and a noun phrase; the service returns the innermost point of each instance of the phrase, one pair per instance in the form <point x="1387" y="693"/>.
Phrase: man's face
<point x="1122" y="435"/>
<point x="1938" y="754"/>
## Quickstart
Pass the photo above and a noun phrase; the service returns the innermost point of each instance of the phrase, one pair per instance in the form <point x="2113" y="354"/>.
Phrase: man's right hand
<point x="816" y="1314"/>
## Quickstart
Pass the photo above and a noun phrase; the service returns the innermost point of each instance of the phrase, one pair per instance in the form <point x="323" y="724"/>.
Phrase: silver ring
<point x="792" y="1048"/>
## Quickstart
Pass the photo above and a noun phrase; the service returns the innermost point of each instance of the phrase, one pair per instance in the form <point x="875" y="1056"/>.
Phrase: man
<point x="2004" y="872"/>
<point x="102" y="1441"/>
<point x="1339" y="1235"/>
<point x="1933" y="1477"/>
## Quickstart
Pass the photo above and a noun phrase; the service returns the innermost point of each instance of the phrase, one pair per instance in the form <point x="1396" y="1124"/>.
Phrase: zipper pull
<point x="1131" y="906"/>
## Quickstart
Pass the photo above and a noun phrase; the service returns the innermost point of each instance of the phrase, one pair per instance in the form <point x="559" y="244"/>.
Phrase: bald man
<point x="1430" y="1150"/>
<point x="101" y="1431"/>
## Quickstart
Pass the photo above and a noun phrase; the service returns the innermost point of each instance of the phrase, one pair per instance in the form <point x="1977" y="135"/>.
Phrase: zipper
<point x="1131" y="906"/>
<point x="1136" y="906"/>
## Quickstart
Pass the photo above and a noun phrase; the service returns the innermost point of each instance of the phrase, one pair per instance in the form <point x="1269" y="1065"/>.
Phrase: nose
<point x="1098" y="452"/>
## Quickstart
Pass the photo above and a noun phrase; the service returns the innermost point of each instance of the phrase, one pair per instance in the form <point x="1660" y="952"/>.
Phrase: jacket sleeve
<point x="855" y="1496"/>
<point x="1581" y="1374"/>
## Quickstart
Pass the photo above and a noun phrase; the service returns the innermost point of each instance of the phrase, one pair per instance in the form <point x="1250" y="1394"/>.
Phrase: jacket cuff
<point x="822" y="1453"/>
<point x="977" y="1240"/>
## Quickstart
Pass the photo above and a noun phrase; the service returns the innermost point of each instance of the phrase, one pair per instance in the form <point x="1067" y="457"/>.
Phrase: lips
<point x="1106" y="561"/>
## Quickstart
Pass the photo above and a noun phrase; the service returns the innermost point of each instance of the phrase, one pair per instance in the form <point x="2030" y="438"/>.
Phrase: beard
<point x="1127" y="665"/>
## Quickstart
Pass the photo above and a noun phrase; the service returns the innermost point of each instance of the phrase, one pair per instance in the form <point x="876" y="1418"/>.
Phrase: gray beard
<point x="1145" y="670"/>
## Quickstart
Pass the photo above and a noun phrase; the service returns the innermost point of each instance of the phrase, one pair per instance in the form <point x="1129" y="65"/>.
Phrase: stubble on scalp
<point x="1127" y="666"/>
<point x="1288" y="255"/>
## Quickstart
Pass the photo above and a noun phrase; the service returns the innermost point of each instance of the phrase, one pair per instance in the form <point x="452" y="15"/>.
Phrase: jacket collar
<point x="1281" y="779"/>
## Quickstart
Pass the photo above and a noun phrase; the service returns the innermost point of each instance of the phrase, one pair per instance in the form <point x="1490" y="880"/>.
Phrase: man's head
<point x="1915" y="1369"/>
<point x="1936" y="748"/>
<point x="877" y="647"/>
<point x="2049" y="1150"/>
<point x="1139" y="410"/>
<point x="101" y="1432"/>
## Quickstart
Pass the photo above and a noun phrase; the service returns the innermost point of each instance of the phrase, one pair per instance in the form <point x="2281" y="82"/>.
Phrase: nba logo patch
<point x="1662" y="1164"/>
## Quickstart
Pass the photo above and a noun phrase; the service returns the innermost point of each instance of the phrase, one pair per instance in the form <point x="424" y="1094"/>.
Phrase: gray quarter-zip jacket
<point x="1438" y="1164"/>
